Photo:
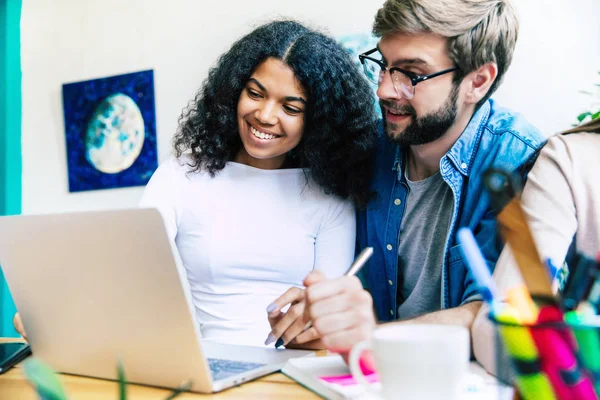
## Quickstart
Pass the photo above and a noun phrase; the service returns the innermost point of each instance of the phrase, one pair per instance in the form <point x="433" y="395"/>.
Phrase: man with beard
<point x="437" y="64"/>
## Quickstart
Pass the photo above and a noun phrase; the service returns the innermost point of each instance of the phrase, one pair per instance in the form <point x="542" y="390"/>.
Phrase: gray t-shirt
<point x="429" y="206"/>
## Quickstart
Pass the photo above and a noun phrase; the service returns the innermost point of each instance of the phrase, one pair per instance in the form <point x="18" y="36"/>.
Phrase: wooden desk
<point x="14" y="386"/>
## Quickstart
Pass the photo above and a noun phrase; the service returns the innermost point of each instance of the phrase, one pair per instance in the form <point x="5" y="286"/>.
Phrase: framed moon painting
<point x="110" y="129"/>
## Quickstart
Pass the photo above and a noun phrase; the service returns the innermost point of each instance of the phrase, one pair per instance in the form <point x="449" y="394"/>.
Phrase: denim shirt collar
<point x="462" y="153"/>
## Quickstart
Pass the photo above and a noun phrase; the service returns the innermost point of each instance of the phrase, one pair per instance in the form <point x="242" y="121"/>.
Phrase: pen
<point x="514" y="228"/>
<point x="589" y="304"/>
<point x="580" y="282"/>
<point x="587" y="341"/>
<point x="532" y="383"/>
<point x="584" y="323"/>
<point x="557" y="348"/>
<point x="360" y="260"/>
<point x="477" y="264"/>
<point x="555" y="273"/>
<point x="518" y="296"/>
<point x="552" y="269"/>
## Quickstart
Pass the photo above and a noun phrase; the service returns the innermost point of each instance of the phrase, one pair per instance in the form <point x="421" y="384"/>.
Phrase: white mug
<point x="416" y="361"/>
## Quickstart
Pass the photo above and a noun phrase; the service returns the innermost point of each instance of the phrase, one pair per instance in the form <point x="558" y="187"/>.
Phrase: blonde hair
<point x="590" y="126"/>
<point x="478" y="31"/>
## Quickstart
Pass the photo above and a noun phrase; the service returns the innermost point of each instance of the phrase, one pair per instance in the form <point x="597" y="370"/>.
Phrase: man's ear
<point x="479" y="82"/>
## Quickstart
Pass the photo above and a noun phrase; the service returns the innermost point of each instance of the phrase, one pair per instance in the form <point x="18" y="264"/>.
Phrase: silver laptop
<point x="97" y="287"/>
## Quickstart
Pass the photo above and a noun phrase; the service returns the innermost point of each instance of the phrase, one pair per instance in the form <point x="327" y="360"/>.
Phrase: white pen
<point x="360" y="260"/>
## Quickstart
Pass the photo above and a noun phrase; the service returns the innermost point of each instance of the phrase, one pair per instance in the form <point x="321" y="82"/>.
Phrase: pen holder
<point x="549" y="360"/>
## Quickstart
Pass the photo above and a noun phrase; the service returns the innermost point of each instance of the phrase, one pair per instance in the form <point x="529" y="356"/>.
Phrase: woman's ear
<point x="479" y="82"/>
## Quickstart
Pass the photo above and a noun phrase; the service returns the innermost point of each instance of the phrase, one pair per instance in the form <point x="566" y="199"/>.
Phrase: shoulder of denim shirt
<point x="497" y="125"/>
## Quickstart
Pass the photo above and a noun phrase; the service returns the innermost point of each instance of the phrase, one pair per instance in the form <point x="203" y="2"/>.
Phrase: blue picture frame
<point x="85" y="105"/>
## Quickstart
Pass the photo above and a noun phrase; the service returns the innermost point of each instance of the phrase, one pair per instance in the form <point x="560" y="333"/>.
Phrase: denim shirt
<point x="495" y="137"/>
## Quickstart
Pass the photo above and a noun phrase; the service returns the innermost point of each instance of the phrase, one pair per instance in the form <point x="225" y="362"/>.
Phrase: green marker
<point x="588" y="343"/>
<point x="521" y="348"/>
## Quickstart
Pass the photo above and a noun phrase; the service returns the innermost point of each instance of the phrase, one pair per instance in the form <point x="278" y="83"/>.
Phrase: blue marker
<point x="555" y="273"/>
<point x="552" y="269"/>
<point x="477" y="264"/>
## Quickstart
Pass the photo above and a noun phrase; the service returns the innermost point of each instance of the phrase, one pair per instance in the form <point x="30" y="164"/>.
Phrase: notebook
<point x="329" y="377"/>
<point x="310" y="375"/>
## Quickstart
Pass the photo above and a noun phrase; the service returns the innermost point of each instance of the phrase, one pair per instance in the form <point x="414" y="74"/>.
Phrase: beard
<point x="425" y="129"/>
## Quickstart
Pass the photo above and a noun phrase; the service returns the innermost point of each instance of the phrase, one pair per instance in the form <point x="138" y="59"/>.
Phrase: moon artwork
<point x="110" y="130"/>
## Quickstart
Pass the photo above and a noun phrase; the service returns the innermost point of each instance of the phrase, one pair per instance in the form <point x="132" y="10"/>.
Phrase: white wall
<point x="72" y="40"/>
<point x="557" y="55"/>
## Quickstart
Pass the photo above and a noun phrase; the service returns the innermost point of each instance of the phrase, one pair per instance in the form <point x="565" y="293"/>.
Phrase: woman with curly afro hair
<point x="272" y="157"/>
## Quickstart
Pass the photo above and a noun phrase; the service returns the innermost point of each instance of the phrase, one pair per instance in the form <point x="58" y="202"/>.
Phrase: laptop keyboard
<point x="222" y="369"/>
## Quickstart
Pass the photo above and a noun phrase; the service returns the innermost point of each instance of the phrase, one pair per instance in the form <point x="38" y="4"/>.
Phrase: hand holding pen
<point x="294" y="324"/>
<point x="341" y="310"/>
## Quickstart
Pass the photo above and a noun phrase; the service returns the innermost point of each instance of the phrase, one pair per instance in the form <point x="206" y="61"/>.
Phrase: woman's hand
<point x="290" y="328"/>
<point x="18" y="324"/>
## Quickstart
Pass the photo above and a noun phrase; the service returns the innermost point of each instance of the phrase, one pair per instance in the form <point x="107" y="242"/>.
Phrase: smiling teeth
<point x="261" y="135"/>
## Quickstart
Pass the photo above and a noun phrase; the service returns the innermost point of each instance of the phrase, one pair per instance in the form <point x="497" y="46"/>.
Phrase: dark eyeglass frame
<point x="414" y="78"/>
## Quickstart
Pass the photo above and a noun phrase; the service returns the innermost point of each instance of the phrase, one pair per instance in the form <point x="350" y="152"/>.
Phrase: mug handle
<point x="356" y="371"/>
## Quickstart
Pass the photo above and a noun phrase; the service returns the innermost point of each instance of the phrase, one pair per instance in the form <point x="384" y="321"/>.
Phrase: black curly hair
<point x="340" y="125"/>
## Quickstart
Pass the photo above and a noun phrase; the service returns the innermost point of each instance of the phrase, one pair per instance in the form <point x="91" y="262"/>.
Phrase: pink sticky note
<point x="347" y="380"/>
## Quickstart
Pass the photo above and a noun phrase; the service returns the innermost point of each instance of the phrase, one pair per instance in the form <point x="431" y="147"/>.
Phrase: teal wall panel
<point x="10" y="134"/>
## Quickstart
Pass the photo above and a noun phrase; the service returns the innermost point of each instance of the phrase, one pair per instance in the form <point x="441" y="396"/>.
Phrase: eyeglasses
<point x="404" y="81"/>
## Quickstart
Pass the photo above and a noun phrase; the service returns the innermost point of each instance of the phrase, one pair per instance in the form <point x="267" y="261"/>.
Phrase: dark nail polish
<point x="279" y="343"/>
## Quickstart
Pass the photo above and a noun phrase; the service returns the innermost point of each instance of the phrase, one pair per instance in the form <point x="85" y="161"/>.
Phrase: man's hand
<point x="340" y="309"/>
<point x="18" y="324"/>
<point x="289" y="328"/>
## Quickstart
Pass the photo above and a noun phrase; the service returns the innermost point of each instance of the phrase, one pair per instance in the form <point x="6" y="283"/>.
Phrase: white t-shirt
<point x="247" y="235"/>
